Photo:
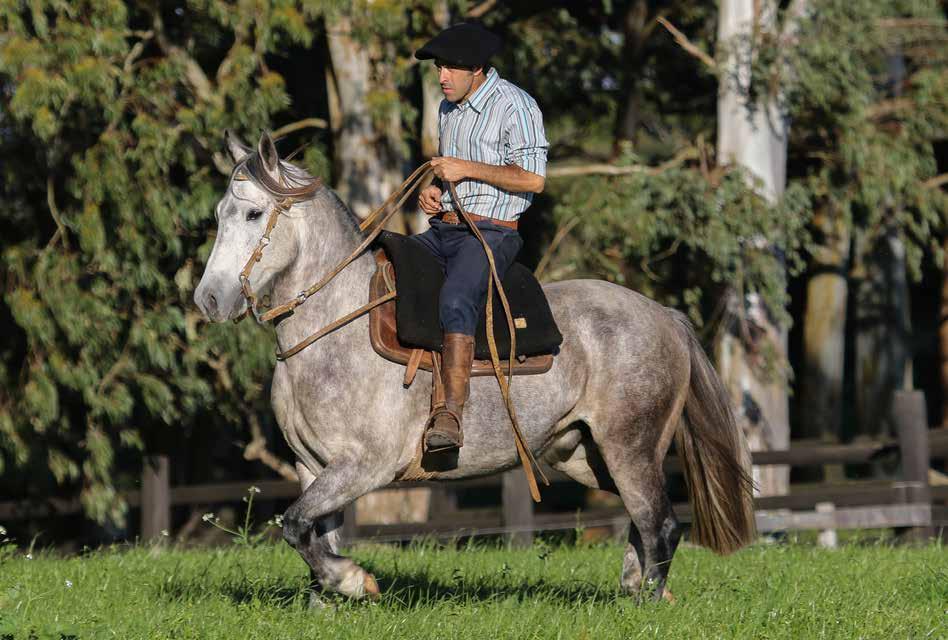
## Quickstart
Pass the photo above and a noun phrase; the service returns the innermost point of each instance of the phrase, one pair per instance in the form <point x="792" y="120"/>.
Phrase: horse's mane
<point x="295" y="182"/>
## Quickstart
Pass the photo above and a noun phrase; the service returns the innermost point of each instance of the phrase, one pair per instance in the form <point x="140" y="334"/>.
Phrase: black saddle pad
<point x="418" y="280"/>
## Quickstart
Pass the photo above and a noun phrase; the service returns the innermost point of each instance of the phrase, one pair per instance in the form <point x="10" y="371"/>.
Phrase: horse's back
<point x="618" y="331"/>
<point x="610" y="308"/>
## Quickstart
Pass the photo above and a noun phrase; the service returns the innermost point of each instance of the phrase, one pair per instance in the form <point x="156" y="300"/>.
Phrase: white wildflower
<point x="253" y="489"/>
<point x="208" y="517"/>
<point x="3" y="531"/>
<point x="164" y="533"/>
<point x="29" y="556"/>
<point x="69" y="584"/>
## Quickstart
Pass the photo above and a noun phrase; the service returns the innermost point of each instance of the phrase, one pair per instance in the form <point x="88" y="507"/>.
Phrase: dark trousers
<point x="466" y="270"/>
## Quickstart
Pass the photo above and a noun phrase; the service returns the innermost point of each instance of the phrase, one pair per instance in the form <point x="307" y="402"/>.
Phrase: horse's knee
<point x="294" y="528"/>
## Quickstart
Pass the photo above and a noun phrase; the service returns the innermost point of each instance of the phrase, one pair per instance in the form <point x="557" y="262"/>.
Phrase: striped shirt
<point x="499" y="124"/>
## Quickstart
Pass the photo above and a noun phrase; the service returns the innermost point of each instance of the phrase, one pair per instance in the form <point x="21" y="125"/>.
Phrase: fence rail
<point x="907" y="503"/>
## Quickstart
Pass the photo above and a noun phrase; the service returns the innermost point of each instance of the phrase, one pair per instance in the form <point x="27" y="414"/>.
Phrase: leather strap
<point x="406" y="189"/>
<point x="450" y="217"/>
<point x="530" y="466"/>
<point x="346" y="319"/>
<point x="412" y="367"/>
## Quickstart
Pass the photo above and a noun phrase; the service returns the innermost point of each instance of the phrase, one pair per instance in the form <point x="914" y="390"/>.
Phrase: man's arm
<point x="509" y="177"/>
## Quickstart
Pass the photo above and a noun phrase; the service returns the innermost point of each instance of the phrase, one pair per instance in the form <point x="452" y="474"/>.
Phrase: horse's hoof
<point x="316" y="603"/>
<point x="371" y="587"/>
<point x="668" y="597"/>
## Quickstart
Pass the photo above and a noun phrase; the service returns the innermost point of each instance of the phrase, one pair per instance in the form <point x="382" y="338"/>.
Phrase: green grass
<point x="789" y="591"/>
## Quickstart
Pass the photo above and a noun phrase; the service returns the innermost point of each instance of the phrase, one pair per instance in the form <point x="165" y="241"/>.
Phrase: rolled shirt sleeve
<point x="526" y="144"/>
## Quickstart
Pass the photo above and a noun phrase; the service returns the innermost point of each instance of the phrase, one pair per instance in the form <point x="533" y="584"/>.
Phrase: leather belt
<point x="451" y="217"/>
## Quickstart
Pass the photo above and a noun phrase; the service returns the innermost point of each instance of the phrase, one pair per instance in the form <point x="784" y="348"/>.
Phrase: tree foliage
<point x="861" y="148"/>
<point x="113" y="112"/>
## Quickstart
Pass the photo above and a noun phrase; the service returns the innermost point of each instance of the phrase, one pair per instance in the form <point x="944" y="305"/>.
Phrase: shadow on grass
<point x="400" y="590"/>
<point x="272" y="592"/>
<point x="409" y="589"/>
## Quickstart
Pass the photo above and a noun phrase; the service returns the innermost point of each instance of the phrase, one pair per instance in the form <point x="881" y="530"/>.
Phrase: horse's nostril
<point x="211" y="304"/>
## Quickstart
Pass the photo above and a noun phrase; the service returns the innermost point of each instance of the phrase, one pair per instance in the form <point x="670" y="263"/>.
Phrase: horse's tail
<point x="715" y="458"/>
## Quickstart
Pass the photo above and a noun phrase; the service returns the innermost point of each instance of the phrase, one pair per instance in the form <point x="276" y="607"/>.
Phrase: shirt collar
<point x="480" y="96"/>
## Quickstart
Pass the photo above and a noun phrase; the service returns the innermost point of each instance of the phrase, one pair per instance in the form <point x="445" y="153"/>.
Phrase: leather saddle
<point x="413" y="342"/>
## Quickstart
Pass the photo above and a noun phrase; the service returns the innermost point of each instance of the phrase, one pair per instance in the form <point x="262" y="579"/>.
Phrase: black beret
<point x="466" y="45"/>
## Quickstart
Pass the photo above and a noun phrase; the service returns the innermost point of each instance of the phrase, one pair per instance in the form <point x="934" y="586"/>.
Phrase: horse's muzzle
<point x="216" y="305"/>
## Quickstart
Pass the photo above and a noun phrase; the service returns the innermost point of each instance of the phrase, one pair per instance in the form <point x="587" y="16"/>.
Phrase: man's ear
<point x="269" y="157"/>
<point x="238" y="150"/>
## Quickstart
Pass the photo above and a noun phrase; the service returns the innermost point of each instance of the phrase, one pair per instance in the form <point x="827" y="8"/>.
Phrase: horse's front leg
<point x="312" y="525"/>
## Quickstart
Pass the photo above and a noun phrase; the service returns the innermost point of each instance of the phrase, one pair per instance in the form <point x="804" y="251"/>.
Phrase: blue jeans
<point x="466" y="270"/>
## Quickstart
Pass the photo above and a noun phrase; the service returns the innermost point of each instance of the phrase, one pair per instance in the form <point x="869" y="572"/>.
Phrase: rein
<point x="401" y="195"/>
<point x="529" y="462"/>
<point x="383" y="213"/>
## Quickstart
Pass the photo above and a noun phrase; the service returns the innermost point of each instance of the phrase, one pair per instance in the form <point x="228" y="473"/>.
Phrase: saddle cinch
<point x="407" y="330"/>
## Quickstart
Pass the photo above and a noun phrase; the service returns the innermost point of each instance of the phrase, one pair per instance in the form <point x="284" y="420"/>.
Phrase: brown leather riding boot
<point x="444" y="430"/>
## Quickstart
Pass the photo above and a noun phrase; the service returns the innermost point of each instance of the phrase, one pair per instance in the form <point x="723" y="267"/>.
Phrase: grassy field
<point x="785" y="591"/>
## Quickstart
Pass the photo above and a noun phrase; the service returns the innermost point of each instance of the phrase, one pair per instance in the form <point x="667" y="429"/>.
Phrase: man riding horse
<point x="492" y="144"/>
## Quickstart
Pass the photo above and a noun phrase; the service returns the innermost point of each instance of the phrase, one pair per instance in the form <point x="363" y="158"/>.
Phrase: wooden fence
<point x="910" y="502"/>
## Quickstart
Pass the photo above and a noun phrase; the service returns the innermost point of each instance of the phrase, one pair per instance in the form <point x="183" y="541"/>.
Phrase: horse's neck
<point x="325" y="239"/>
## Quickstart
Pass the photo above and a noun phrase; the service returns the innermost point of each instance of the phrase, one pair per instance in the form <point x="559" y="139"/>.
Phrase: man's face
<point x="456" y="82"/>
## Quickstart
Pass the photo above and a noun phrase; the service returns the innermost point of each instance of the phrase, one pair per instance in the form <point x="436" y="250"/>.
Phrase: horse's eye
<point x="253" y="214"/>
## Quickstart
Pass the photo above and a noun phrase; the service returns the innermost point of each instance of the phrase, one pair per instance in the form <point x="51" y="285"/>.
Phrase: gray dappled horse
<point x="629" y="377"/>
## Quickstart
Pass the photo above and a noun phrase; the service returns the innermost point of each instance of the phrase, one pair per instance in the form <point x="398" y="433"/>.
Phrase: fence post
<point x="350" y="529"/>
<point x="827" y="538"/>
<point x="156" y="497"/>
<point x="911" y="420"/>
<point x="444" y="501"/>
<point x="517" y="508"/>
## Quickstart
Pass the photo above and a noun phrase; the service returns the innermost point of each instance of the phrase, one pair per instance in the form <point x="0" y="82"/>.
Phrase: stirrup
<point x="440" y="411"/>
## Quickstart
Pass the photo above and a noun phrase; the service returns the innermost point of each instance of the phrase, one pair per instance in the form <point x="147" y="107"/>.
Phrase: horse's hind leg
<point x="319" y="547"/>
<point x="633" y="454"/>
<point x="639" y="482"/>
<point x="653" y="534"/>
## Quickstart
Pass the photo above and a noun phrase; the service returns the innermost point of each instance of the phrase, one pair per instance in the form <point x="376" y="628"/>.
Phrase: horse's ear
<point x="238" y="150"/>
<point x="268" y="154"/>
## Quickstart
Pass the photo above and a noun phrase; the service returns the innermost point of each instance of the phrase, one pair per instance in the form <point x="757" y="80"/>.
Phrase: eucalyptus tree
<point x="112" y="128"/>
<point x="871" y="82"/>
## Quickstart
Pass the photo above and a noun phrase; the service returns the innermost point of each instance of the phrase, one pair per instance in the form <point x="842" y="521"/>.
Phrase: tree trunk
<point x="943" y="337"/>
<point x="636" y="29"/>
<point x="824" y="335"/>
<point x="883" y="319"/>
<point x="431" y="97"/>
<point x="883" y="331"/>
<point x="370" y="166"/>
<point x="755" y="138"/>
<point x="370" y="161"/>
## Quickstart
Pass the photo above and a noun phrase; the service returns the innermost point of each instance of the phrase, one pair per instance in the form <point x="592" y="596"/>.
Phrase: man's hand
<point x="430" y="200"/>
<point x="451" y="169"/>
<point x="509" y="177"/>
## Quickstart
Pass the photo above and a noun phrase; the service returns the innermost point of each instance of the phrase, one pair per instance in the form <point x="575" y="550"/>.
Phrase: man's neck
<point x="477" y="84"/>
